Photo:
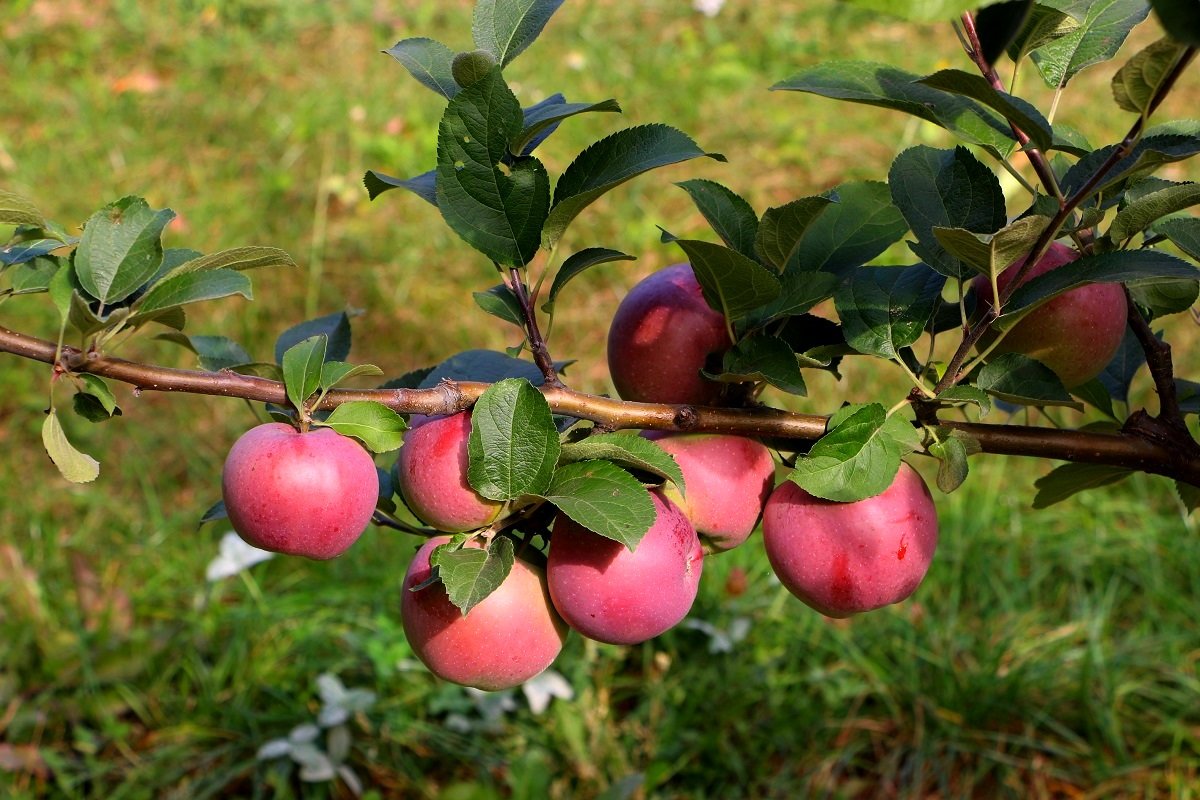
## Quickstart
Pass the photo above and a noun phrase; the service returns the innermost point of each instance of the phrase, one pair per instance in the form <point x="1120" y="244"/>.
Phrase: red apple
<point x="660" y="337"/>
<point x="728" y="479"/>
<point x="613" y="594"/>
<point x="308" y="494"/>
<point x="431" y="471"/>
<point x="506" y="639"/>
<point x="1075" y="334"/>
<point x="844" y="558"/>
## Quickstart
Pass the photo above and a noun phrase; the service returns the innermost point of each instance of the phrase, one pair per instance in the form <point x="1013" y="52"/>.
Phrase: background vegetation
<point x="1049" y="654"/>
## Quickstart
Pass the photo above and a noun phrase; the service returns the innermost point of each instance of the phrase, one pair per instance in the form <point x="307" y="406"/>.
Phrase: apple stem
<point x="385" y="520"/>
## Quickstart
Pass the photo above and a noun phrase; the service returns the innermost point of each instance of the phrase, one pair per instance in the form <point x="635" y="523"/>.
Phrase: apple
<point x="613" y="594"/>
<point x="727" y="480"/>
<point x="431" y="472"/>
<point x="1075" y="334"/>
<point x="845" y="558"/>
<point x="660" y="337"/>
<point x="507" y="638"/>
<point x="307" y="494"/>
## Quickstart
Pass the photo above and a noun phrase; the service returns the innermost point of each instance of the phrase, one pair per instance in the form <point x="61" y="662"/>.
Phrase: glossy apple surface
<point x="846" y="558"/>
<point x="431" y="471"/>
<point x="1075" y="334"/>
<point x="611" y="594"/>
<point x="727" y="480"/>
<point x="660" y="337"/>
<point x="309" y="494"/>
<point x="507" y="638"/>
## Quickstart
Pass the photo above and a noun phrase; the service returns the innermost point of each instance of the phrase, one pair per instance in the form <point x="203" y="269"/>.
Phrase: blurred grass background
<point x="1049" y="654"/>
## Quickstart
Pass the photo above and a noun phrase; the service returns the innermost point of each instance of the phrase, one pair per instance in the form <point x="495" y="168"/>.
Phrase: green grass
<point x="1049" y="654"/>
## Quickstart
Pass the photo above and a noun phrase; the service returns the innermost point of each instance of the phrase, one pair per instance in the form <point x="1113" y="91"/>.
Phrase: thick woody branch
<point x="1134" y="448"/>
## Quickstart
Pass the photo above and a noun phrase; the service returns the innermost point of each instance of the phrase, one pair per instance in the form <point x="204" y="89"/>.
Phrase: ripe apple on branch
<point x="561" y="515"/>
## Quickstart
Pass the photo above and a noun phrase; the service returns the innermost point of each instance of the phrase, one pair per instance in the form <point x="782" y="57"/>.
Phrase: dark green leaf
<point x="610" y="162"/>
<point x="952" y="463"/>
<point x="1184" y="234"/>
<point x="423" y="186"/>
<point x="33" y="276"/>
<point x="513" y="445"/>
<point x="236" y="258"/>
<point x="1118" y="374"/>
<point x="1014" y="109"/>
<point x="94" y="386"/>
<point x="302" y="369"/>
<point x="1069" y="479"/>
<point x="335" y="327"/>
<point x="500" y="302"/>
<point x="470" y="574"/>
<point x="505" y="28"/>
<point x="471" y="67"/>
<point x="1166" y="298"/>
<point x="577" y="263"/>
<point x="1045" y="24"/>
<point x="27" y="250"/>
<point x="91" y="408"/>
<point x="214" y="513"/>
<point x="628" y="450"/>
<point x="990" y="253"/>
<point x="542" y="119"/>
<point x="999" y="25"/>
<point x="858" y="227"/>
<point x="214" y="352"/>
<point x="1188" y="495"/>
<point x="429" y="62"/>
<point x="1137" y="216"/>
<point x="800" y="291"/>
<point x="762" y="358"/>
<point x="1137" y="83"/>
<point x="1103" y="26"/>
<point x="121" y="248"/>
<point x="1188" y="394"/>
<point x="884" y="309"/>
<point x="732" y="283"/>
<point x="1096" y="395"/>
<point x="335" y="373"/>
<point x="967" y="394"/>
<point x="1151" y="152"/>
<point x="191" y="287"/>
<point x="854" y="460"/>
<point x="75" y="466"/>
<point x="409" y="380"/>
<point x="485" y="366"/>
<point x="782" y="229"/>
<point x="16" y="210"/>
<point x="1179" y="18"/>
<point x="731" y="217"/>
<point x="378" y="427"/>
<point x="1017" y="378"/>
<point x="603" y="498"/>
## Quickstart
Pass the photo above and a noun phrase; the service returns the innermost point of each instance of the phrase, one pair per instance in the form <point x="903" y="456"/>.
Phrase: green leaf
<point x="1188" y="394"/>
<point x="1017" y="378"/>
<point x="1166" y="298"/>
<point x="190" y="287"/>
<point x="1017" y="111"/>
<point x="1045" y="24"/>
<point x="470" y="67"/>
<point x="27" y="250"/>
<point x="429" y="62"/>
<point x="1140" y="214"/>
<point x="1118" y="373"/>
<point x="75" y="466"/>
<point x="214" y="352"/>
<point x="335" y="327"/>
<point x="731" y="217"/>
<point x="854" y="460"/>
<point x="1102" y="29"/>
<point x="945" y="189"/>
<point x="120" y="249"/>
<point x="732" y="283"/>
<point x="1179" y="19"/>
<point x="62" y="291"/>
<point x="495" y="202"/>
<point x="1137" y="83"/>
<point x="1152" y="151"/>
<point x="16" y="210"/>
<point x="500" y="303"/>
<point x="577" y="263"/>
<point x="513" y="445"/>
<point x="542" y="119"/>
<point x="1184" y="234"/>
<point x="800" y="291"/>
<point x="885" y="309"/>
<point x="782" y="229"/>
<point x="952" y="467"/>
<point x="1188" y="495"/>
<point x="378" y="427"/>
<point x="762" y="358"/>
<point x="858" y="227"/>
<point x="505" y="28"/>
<point x="628" y="450"/>
<point x="334" y="373"/>
<point x="603" y="498"/>
<point x="423" y="185"/>
<point x="94" y="386"/>
<point x="990" y="253"/>
<point x="215" y="512"/>
<point x="33" y="276"/>
<point x="1132" y="267"/>
<point x="999" y="25"/>
<point x="470" y="574"/>
<point x="302" y="369"/>
<point x="610" y="162"/>
<point x="236" y="258"/>
<point x="1096" y="395"/>
<point x="963" y="393"/>
<point x="1070" y="479"/>
<point x="485" y="366"/>
<point x="878" y="84"/>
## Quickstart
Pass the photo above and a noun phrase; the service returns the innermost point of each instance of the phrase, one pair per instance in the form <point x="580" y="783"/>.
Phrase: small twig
<point x="537" y="345"/>
<point x="1162" y="370"/>
<point x="384" y="520"/>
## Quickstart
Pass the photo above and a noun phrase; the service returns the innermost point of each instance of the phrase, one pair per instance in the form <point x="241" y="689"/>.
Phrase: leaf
<point x="423" y="186"/>
<point x="75" y="466"/>
<point x="215" y="512"/>
<point x="470" y="574"/>
<point x="999" y="25"/>
<point x="27" y="250"/>
<point x="470" y="67"/>
<point x="505" y="28"/>
<point x="1168" y="297"/>
<point x="1045" y="24"/>
<point x="94" y="386"/>
<point x="1137" y="83"/>
<point x="190" y="287"/>
<point x="542" y="119"/>
<point x="16" y="210"/>
<point x="577" y="263"/>
<point x="1140" y="214"/>
<point x="612" y="161"/>
<point x="1179" y="19"/>
<point x="1017" y="111"/>
<point x="963" y="393"/>
<point x="236" y="258"/>
<point x="951" y="453"/>
<point x="885" y="309"/>
<point x="1095" y="394"/>
<point x="378" y="427"/>
<point x="782" y="228"/>
<point x="302" y="369"/>
<point x="1184" y="234"/>
<point x="1188" y="495"/>
<point x="858" y="227"/>
<point x="945" y="189"/>
<point x="854" y="460"/>
<point x="1070" y="479"/>
<point x="628" y="450"/>
<point x="990" y="253"/>
<point x="429" y="62"/>
<point x="1017" y="378"/>
<point x="121" y="248"/>
<point x="500" y="302"/>
<point x="603" y="498"/>
<point x="499" y="212"/>
<point x="1188" y="394"/>
<point x="762" y="358"/>
<point x="214" y="352"/>
<point x="800" y="291"/>
<point x="334" y="373"/>
<point x="484" y="366"/>
<point x="1101" y="31"/>
<point x="33" y="276"/>
<point x="881" y="85"/>
<point x="1152" y="151"/>
<point x="335" y="327"/>
<point x="731" y="217"/>
<point x="732" y="283"/>
<point x="513" y="445"/>
<point x="1118" y="373"/>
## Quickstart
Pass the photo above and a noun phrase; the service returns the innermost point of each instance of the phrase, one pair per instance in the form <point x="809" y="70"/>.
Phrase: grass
<point x="1048" y="655"/>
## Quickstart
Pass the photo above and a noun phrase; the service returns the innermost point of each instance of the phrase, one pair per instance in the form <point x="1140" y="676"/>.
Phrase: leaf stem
<point x="537" y="345"/>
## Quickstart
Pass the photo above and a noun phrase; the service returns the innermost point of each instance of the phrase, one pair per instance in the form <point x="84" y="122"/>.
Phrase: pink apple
<point x="1076" y="334"/>
<point x="727" y="479"/>
<point x="660" y="337"/>
<point x="845" y="558"/>
<point x="612" y="594"/>
<point x="507" y="638"/>
<point x="308" y="494"/>
<point x="432" y="473"/>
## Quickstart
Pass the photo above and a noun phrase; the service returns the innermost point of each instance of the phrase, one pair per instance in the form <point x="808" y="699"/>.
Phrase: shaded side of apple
<point x="507" y="638"/>
<point x="309" y="494"/>
<point x="660" y="337"/>
<point x="845" y="558"/>
<point x="431" y="471"/>
<point x="614" y="595"/>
